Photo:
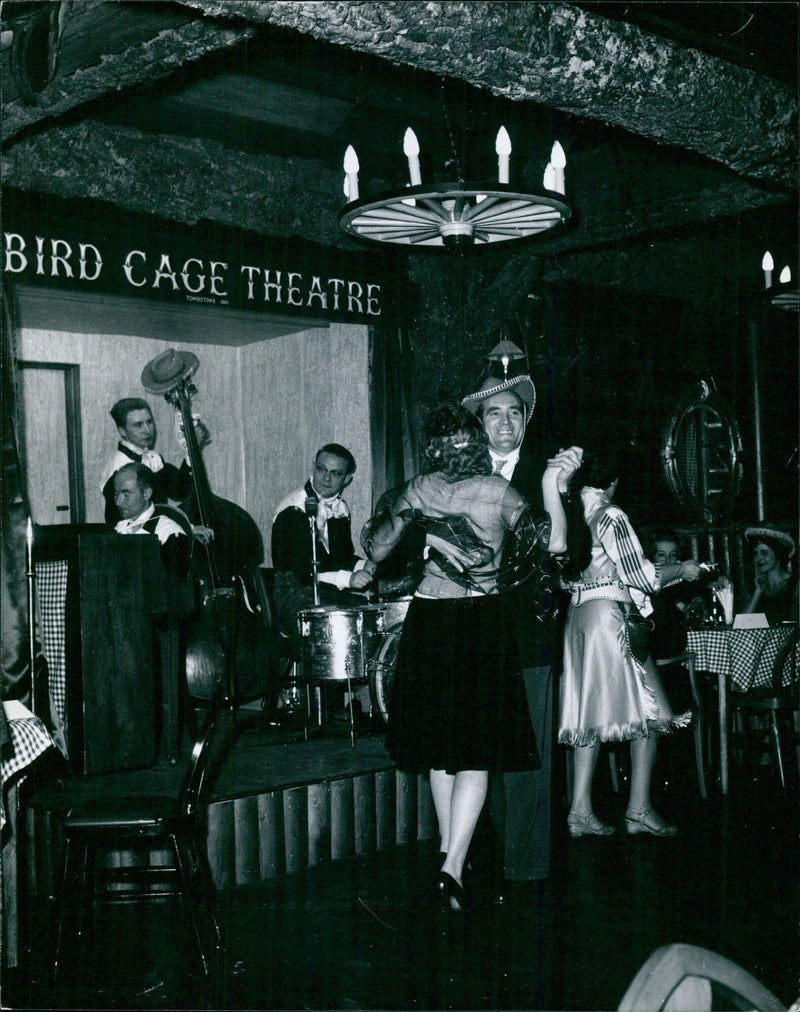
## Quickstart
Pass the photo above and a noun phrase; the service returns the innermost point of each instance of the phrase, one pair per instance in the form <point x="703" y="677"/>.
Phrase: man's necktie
<point x="497" y="466"/>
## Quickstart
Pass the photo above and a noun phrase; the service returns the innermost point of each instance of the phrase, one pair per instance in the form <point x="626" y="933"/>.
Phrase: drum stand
<point x="312" y="523"/>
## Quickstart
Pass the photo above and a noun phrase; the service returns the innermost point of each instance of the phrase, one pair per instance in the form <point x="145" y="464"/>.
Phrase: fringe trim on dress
<point x="596" y="735"/>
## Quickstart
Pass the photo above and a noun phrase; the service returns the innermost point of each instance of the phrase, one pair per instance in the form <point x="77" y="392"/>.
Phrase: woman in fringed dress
<point x="610" y="689"/>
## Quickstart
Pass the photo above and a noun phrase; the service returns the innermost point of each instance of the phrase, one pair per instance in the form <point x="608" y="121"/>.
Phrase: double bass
<point x="230" y="645"/>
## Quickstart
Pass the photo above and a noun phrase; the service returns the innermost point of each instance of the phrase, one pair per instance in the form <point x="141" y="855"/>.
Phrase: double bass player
<point x="230" y="646"/>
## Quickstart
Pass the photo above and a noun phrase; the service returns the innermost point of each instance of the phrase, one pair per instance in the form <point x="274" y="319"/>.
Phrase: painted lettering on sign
<point x="195" y="279"/>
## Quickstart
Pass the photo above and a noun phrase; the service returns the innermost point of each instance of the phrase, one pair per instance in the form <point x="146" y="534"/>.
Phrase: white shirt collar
<point x="135" y="523"/>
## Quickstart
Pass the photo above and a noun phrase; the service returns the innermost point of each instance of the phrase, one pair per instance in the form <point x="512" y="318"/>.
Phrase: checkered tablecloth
<point x="746" y="656"/>
<point x="29" y="739"/>
<point x="51" y="592"/>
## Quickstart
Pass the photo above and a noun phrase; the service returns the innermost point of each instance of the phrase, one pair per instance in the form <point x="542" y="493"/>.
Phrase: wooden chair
<point x="687" y="978"/>
<point x="779" y="702"/>
<point x="698" y="715"/>
<point x="698" y="724"/>
<point x="149" y="828"/>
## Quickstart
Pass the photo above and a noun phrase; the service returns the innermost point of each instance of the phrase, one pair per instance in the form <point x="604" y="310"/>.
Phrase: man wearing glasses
<point x="340" y="570"/>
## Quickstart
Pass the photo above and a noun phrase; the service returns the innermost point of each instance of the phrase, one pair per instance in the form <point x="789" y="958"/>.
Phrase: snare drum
<point x="337" y="643"/>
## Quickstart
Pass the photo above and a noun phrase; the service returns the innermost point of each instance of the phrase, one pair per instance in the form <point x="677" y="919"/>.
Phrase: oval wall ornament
<point x="702" y="453"/>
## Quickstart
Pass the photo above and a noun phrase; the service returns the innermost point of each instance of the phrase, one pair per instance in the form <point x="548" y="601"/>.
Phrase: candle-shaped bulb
<point x="785" y="275"/>
<point x="29" y="532"/>
<point x="351" y="167"/>
<point x="557" y="156"/>
<point x="559" y="162"/>
<point x="767" y="266"/>
<point x="505" y="360"/>
<point x="411" y="151"/>
<point x="549" y="181"/>
<point x="502" y="146"/>
<point x="351" y="160"/>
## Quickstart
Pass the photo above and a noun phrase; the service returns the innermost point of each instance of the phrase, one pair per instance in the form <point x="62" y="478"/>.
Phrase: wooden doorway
<point x="52" y="445"/>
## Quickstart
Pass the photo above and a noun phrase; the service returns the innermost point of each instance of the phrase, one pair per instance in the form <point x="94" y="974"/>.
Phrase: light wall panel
<point x="299" y="392"/>
<point x="268" y="404"/>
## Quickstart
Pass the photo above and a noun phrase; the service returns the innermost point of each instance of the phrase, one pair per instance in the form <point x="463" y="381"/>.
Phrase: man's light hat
<point x="522" y="386"/>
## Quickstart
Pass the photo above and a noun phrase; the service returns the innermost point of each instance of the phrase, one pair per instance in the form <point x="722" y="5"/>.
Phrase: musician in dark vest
<point x="137" y="431"/>
<point x="341" y="571"/>
<point x="133" y="496"/>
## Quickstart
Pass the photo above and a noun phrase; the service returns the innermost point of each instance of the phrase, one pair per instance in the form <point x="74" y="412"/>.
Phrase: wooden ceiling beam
<point x="199" y="179"/>
<point x="566" y="58"/>
<point x="108" y="47"/>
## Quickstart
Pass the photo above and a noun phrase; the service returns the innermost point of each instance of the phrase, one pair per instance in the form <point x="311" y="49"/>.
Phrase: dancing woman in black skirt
<point x="458" y="706"/>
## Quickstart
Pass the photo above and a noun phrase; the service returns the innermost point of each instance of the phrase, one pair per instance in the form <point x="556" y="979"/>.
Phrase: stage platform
<point x="280" y="804"/>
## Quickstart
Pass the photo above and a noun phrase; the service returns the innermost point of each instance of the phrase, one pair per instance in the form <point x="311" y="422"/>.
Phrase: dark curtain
<point x="14" y="647"/>
<point x="391" y="371"/>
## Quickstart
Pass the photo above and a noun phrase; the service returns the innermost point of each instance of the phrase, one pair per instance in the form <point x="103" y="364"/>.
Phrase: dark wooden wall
<point x="617" y="367"/>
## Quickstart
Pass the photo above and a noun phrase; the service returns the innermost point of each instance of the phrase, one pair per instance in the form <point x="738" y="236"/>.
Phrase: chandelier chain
<point x="449" y="125"/>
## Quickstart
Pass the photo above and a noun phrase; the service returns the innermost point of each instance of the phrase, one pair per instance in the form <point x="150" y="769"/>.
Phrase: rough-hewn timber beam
<point x="564" y="57"/>
<point x="193" y="179"/>
<point x="124" y="60"/>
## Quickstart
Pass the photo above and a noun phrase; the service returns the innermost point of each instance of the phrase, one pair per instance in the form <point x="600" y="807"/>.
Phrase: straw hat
<point x="522" y="386"/>
<point x="166" y="370"/>
<point x="770" y="533"/>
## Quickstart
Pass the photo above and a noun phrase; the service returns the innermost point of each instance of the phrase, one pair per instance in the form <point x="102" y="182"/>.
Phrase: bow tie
<point x="128" y="526"/>
<point x="329" y="508"/>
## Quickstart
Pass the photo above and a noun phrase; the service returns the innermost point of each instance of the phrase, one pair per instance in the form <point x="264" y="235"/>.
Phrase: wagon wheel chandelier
<point x="785" y="294"/>
<point x="455" y="216"/>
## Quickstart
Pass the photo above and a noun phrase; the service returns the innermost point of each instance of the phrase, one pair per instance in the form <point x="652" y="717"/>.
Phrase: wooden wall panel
<point x="364" y="813"/>
<point x="270" y="831"/>
<point x="246" y="849"/>
<point x="342" y="819"/>
<point x="295" y="827"/>
<point x="319" y="823"/>
<point x="406" y="807"/>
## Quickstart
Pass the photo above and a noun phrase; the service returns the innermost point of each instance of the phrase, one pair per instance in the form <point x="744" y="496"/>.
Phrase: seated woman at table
<point x="775" y="591"/>
<point x="611" y="690"/>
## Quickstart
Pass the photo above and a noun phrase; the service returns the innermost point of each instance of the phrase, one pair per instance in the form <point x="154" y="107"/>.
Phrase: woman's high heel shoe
<point x="647" y="822"/>
<point x="450" y="892"/>
<point x="587" y="825"/>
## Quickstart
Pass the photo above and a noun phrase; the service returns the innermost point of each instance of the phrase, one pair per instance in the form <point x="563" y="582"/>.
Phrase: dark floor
<point x="365" y="933"/>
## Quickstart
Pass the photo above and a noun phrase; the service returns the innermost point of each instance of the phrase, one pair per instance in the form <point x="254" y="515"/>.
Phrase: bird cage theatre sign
<point x="205" y="265"/>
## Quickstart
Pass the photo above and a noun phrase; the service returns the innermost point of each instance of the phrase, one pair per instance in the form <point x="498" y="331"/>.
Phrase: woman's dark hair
<point x="455" y="443"/>
<point x="655" y="534"/>
<point x="598" y="470"/>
